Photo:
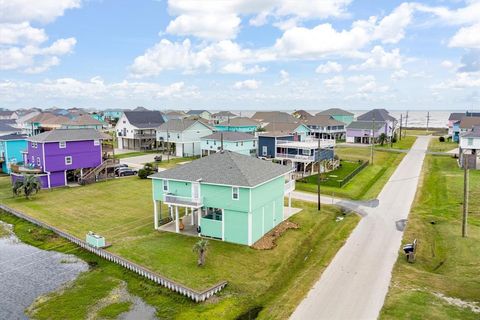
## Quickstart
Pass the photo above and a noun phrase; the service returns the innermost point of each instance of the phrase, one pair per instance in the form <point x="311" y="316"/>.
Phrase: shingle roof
<point x="224" y="114"/>
<point x="13" y="136"/>
<point x="226" y="168"/>
<point x="8" y="121"/>
<point x="41" y="117"/>
<point x="6" y="128"/>
<point x="469" y="122"/>
<point x="282" y="127"/>
<point x="366" y="125"/>
<point x="56" y="120"/>
<point x="475" y="133"/>
<point x="69" y="135"/>
<point x="84" y="120"/>
<point x="196" y="112"/>
<point x="335" y="112"/>
<point x="273" y="116"/>
<point x="6" y="113"/>
<point x="377" y="114"/>
<point x="230" y="136"/>
<point x="145" y="119"/>
<point x="302" y="114"/>
<point x="323" y="120"/>
<point x="239" y="122"/>
<point x="460" y="115"/>
<point x="178" y="125"/>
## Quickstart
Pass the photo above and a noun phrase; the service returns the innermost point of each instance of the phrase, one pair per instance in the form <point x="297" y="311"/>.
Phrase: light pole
<point x="318" y="176"/>
<point x="465" y="195"/>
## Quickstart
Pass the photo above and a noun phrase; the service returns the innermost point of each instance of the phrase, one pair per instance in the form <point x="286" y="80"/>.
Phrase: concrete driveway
<point x="138" y="161"/>
<point x="356" y="282"/>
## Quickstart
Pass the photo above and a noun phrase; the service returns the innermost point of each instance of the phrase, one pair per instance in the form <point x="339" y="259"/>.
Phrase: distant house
<point x="240" y="142"/>
<point x="467" y="124"/>
<point x="470" y="145"/>
<point x="7" y="114"/>
<point x="112" y="114"/>
<point x="454" y="118"/>
<point x="380" y="115"/>
<point x="325" y="127"/>
<point x="200" y="113"/>
<point x="57" y="155"/>
<point x="85" y="121"/>
<point x="300" y="131"/>
<point x="222" y="116"/>
<point x="11" y="148"/>
<point x="185" y="135"/>
<point x="8" y="129"/>
<point x="266" y="117"/>
<point x="289" y="150"/>
<point x="302" y="114"/>
<point x="137" y="130"/>
<point x="232" y="197"/>
<point x="338" y="114"/>
<point x="140" y="109"/>
<point x="239" y="124"/>
<point x="175" y="115"/>
<point x="370" y="126"/>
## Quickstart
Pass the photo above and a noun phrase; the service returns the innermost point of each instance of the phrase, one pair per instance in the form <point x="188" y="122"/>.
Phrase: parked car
<point x="122" y="172"/>
<point x="158" y="158"/>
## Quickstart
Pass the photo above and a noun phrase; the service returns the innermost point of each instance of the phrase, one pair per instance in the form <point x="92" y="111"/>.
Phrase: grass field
<point x="446" y="263"/>
<point x="274" y="280"/>
<point x="437" y="146"/>
<point x="424" y="132"/>
<point x="134" y="154"/>
<point x="369" y="182"/>
<point x="334" y="177"/>
<point x="404" y="144"/>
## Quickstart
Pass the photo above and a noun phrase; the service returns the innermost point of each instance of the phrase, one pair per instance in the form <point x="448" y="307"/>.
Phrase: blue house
<point x="456" y="131"/>
<point x="240" y="124"/>
<point x="240" y="142"/>
<point x="12" y="147"/>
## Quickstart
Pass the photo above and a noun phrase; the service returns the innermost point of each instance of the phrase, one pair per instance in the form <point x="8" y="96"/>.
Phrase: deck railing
<point x="295" y="156"/>
<point x="289" y="186"/>
<point x="184" y="201"/>
<point x="197" y="296"/>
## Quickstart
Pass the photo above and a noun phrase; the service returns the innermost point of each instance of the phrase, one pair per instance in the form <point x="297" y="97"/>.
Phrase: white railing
<point x="183" y="201"/>
<point x="309" y="142"/>
<point x="299" y="157"/>
<point x="289" y="186"/>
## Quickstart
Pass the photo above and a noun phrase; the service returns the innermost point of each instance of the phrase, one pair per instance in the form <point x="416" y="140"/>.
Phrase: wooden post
<point x="406" y="123"/>
<point x="177" y="224"/>
<point x="155" y="214"/>
<point x="401" y="122"/>
<point x="465" y="195"/>
<point x="318" y="176"/>
<point x="373" y="139"/>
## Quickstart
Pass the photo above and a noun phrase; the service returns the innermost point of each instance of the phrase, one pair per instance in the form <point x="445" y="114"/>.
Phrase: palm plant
<point x="382" y="138"/>
<point x="201" y="248"/>
<point x="29" y="184"/>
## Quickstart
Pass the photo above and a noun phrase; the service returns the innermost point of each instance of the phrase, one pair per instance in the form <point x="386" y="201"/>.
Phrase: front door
<point x="195" y="190"/>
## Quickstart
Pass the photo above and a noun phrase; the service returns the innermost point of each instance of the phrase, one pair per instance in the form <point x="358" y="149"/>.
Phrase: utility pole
<point x="318" y="176"/>
<point x="406" y="123"/>
<point x="221" y="141"/>
<point x="373" y="139"/>
<point x="401" y="122"/>
<point x="428" y="119"/>
<point x="168" y="147"/>
<point x="465" y="195"/>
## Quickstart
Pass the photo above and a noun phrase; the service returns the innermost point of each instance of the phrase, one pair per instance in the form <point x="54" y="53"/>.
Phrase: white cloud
<point x="43" y="11"/>
<point x="399" y="74"/>
<point x="284" y="77"/>
<point x="379" y="58"/>
<point x="329" y="67"/>
<point x="335" y="84"/>
<point x="44" y="65"/>
<point x="361" y="78"/>
<point x="447" y="64"/>
<point x="391" y="28"/>
<point x="462" y="80"/>
<point x="239" y="68"/>
<point x="207" y="26"/>
<point x="250" y="84"/>
<point x="467" y="37"/>
<point x="20" y="33"/>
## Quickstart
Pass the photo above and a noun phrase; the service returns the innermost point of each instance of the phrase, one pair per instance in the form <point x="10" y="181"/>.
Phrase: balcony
<point x="297" y="157"/>
<point x="289" y="187"/>
<point x="145" y="136"/>
<point x="309" y="143"/>
<point x="29" y="169"/>
<point x="190" y="202"/>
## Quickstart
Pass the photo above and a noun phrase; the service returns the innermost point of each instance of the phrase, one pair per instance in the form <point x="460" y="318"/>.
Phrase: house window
<point x="214" y="214"/>
<point x="470" y="141"/>
<point x="68" y="160"/>
<point x="38" y="161"/>
<point x="165" y="185"/>
<point x="236" y="144"/>
<point x="96" y="142"/>
<point x="306" y="152"/>
<point x="264" y="150"/>
<point x="235" y="193"/>
<point x="207" y="141"/>
<point x="34" y="145"/>
<point x="254" y="143"/>
<point x="241" y="143"/>
<point x="62" y="144"/>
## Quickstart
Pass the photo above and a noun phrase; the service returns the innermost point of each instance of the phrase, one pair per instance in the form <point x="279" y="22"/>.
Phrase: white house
<point x="470" y="145"/>
<point x="8" y="114"/>
<point x="200" y="113"/>
<point x="137" y="130"/>
<point x="185" y="135"/>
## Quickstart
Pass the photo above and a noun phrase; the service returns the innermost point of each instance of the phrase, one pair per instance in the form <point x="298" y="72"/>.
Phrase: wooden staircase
<point x="100" y="172"/>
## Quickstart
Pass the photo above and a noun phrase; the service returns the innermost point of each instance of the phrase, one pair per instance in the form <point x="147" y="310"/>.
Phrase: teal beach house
<point x="12" y="147"/>
<point x="240" y="142"/>
<point x="227" y="196"/>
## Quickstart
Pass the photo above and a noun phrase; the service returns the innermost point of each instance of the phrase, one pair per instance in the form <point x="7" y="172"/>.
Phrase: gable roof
<point x="366" y="125"/>
<point x="224" y="114"/>
<point x="6" y="128"/>
<point x="273" y="116"/>
<point x="196" y="112"/>
<point x="144" y="119"/>
<point x="335" y="112"/>
<point x="226" y="168"/>
<point x="84" y="120"/>
<point x="239" y="122"/>
<point x="475" y="133"/>
<point x="69" y="135"/>
<point x="323" y="120"/>
<point x="140" y="109"/>
<point x="13" y="136"/>
<point x="460" y="115"/>
<point x="230" y="136"/>
<point x="41" y="117"/>
<point x="377" y="114"/>
<point x="302" y="114"/>
<point x="6" y="113"/>
<point x="469" y="122"/>
<point x="284" y="127"/>
<point x="179" y="125"/>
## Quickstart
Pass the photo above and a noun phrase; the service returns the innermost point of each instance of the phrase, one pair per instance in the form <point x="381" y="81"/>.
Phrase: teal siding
<point x="12" y="152"/>
<point x="242" y="147"/>
<point x="236" y="129"/>
<point x="257" y="224"/>
<point x="345" y="119"/>
<point x="236" y="226"/>
<point x="216" y="196"/>
<point x="178" y="188"/>
<point x="211" y="228"/>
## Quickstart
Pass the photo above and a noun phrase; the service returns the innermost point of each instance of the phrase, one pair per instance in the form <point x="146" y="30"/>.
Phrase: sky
<point x="240" y="54"/>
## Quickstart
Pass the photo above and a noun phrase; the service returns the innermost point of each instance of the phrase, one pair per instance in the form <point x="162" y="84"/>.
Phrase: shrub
<point x="143" y="173"/>
<point x="441" y="139"/>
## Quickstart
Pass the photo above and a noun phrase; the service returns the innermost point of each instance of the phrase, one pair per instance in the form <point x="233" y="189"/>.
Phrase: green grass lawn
<point x="437" y="146"/>
<point x="446" y="263"/>
<point x="173" y="162"/>
<point x="334" y="177"/>
<point x="134" y="154"/>
<point x="369" y="182"/>
<point x="424" y="132"/>
<point x="404" y="144"/>
<point x="122" y="210"/>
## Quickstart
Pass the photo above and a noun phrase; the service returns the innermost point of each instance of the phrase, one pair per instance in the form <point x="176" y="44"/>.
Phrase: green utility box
<point x="95" y="240"/>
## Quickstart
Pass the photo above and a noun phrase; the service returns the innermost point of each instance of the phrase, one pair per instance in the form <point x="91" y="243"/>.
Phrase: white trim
<point x="71" y="160"/>
<point x="250" y="200"/>
<point x="193" y="184"/>
<point x="48" y="180"/>
<point x="249" y="228"/>
<point x="223" y="224"/>
<point x="163" y="185"/>
<point x="65" y="172"/>
<point x="155" y="214"/>
<point x="43" y="154"/>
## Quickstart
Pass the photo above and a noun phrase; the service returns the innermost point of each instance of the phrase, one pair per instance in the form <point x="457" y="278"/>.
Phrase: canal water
<point x="27" y="272"/>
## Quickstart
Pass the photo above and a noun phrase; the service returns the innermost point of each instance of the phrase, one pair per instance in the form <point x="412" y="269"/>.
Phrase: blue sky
<point x="240" y="54"/>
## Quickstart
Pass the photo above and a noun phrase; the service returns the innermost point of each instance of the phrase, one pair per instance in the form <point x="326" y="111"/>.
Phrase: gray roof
<point x="224" y="114"/>
<point x="178" y="125"/>
<point x="366" y="125"/>
<point x="226" y="168"/>
<point x="239" y="122"/>
<point x="285" y="127"/>
<point x="13" y="136"/>
<point x="475" y="133"/>
<point x="377" y="115"/>
<point x="145" y="119"/>
<point x="6" y="113"/>
<point x="69" y="135"/>
<point x="469" y="122"/>
<point x="273" y="116"/>
<point x="460" y="115"/>
<point x="335" y="112"/>
<point x="6" y="128"/>
<point x="196" y="112"/>
<point x="323" y="120"/>
<point x="230" y="136"/>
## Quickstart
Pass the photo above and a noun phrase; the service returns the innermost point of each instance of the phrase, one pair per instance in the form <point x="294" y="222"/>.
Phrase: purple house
<point x="369" y="126"/>
<point x="61" y="155"/>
